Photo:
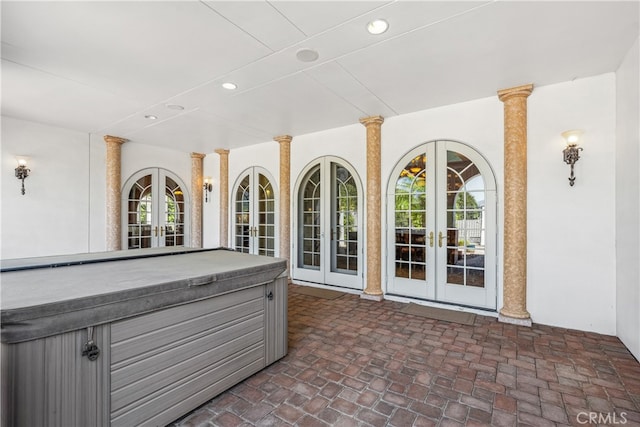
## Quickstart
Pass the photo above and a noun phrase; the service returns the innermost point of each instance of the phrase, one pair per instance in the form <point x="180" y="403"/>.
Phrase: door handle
<point x="161" y="231"/>
<point x="440" y="237"/>
<point x="431" y="239"/>
<point x="155" y="231"/>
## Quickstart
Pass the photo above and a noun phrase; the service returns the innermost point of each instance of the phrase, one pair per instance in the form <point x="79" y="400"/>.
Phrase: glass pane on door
<point x="310" y="221"/>
<point x="139" y="214"/>
<point x="243" y="225"/>
<point x="266" y="217"/>
<point x="410" y="220"/>
<point x="173" y="214"/>
<point x="465" y="222"/>
<point x="344" y="237"/>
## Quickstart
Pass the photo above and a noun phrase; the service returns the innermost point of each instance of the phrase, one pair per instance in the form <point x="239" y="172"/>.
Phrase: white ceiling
<point x="101" y="67"/>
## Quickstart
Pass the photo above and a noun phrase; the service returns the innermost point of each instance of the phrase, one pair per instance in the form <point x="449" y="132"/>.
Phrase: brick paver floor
<point x="356" y="362"/>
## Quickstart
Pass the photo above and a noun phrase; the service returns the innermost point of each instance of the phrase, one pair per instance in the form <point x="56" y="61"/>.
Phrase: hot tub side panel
<point x="166" y="363"/>
<point x="51" y="384"/>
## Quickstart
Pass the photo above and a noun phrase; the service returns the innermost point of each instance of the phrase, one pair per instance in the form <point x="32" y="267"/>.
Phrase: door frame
<point x="324" y="275"/>
<point x="157" y="177"/>
<point x="253" y="172"/>
<point x="441" y="292"/>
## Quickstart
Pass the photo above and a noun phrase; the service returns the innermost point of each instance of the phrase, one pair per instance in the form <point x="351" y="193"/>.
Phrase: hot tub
<point x="136" y="337"/>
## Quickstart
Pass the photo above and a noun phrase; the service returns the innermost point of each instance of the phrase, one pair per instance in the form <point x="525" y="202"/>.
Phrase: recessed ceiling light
<point x="150" y="117"/>
<point x="175" y="107"/>
<point x="307" y="55"/>
<point x="377" y="26"/>
<point x="229" y="86"/>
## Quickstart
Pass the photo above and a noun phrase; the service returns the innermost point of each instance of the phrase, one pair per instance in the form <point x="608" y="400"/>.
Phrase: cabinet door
<point x="168" y="362"/>
<point x="276" y="320"/>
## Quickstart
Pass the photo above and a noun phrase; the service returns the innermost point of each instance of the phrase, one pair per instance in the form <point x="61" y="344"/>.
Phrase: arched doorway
<point x="442" y="207"/>
<point x="155" y="213"/>
<point x="327" y="221"/>
<point x="254" y="213"/>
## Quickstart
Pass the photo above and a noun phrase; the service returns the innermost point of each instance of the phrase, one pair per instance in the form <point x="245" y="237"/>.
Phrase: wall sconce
<point x="571" y="153"/>
<point x="22" y="171"/>
<point x="208" y="187"/>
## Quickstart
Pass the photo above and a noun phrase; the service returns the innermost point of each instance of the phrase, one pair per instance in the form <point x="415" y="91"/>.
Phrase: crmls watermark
<point x="610" y="418"/>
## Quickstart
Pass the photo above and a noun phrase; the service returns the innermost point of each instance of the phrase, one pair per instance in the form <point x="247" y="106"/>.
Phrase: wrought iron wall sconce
<point x="22" y="171"/>
<point x="208" y="187"/>
<point x="571" y="153"/>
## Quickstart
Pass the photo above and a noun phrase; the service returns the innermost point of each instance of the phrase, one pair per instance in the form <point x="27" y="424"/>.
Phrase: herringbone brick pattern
<point x="355" y="362"/>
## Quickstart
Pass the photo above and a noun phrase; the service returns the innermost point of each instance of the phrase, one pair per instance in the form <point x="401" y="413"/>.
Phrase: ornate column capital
<point x="513" y="92"/>
<point x="198" y="156"/>
<point x="114" y="139"/>
<point x="371" y="120"/>
<point x="283" y="138"/>
<point x="221" y="151"/>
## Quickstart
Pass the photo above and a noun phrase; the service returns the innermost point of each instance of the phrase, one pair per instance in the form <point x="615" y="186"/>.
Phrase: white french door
<point x="441" y="203"/>
<point x="254" y="213"/>
<point x="328" y="246"/>
<point x="154" y="210"/>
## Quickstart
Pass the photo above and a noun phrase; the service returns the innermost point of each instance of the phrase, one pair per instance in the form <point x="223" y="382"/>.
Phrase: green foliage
<point x="466" y="201"/>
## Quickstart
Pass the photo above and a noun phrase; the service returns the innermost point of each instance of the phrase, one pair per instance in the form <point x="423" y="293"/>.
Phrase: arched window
<point x="442" y="211"/>
<point x="327" y="224"/>
<point x="155" y="210"/>
<point x="254" y="213"/>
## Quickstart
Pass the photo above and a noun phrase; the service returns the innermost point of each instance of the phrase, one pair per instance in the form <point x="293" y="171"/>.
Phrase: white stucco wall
<point x="628" y="201"/>
<point x="53" y="217"/>
<point x="571" y="268"/>
<point x="211" y="209"/>
<point x="571" y="247"/>
<point x="63" y="210"/>
<point x="571" y="230"/>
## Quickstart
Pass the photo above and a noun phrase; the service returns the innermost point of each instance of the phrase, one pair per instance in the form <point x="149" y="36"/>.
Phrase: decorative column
<point x="224" y="197"/>
<point x="285" y="195"/>
<point x="196" y="199"/>
<point x="514" y="308"/>
<point x="113" y="196"/>
<point x="373" y="289"/>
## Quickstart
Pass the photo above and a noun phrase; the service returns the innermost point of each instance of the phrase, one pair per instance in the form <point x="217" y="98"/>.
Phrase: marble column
<point x="285" y="196"/>
<point x="224" y="197"/>
<point x="373" y="289"/>
<point x="113" y="196"/>
<point x="514" y="309"/>
<point x="196" y="199"/>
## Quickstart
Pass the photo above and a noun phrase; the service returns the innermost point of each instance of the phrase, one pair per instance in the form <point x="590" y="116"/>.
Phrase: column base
<point x="372" y="297"/>
<point x="514" y="320"/>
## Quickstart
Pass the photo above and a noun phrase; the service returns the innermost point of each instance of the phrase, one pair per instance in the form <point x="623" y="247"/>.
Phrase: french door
<point x="442" y="233"/>
<point x="254" y="213"/>
<point x="154" y="211"/>
<point x="327" y="224"/>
